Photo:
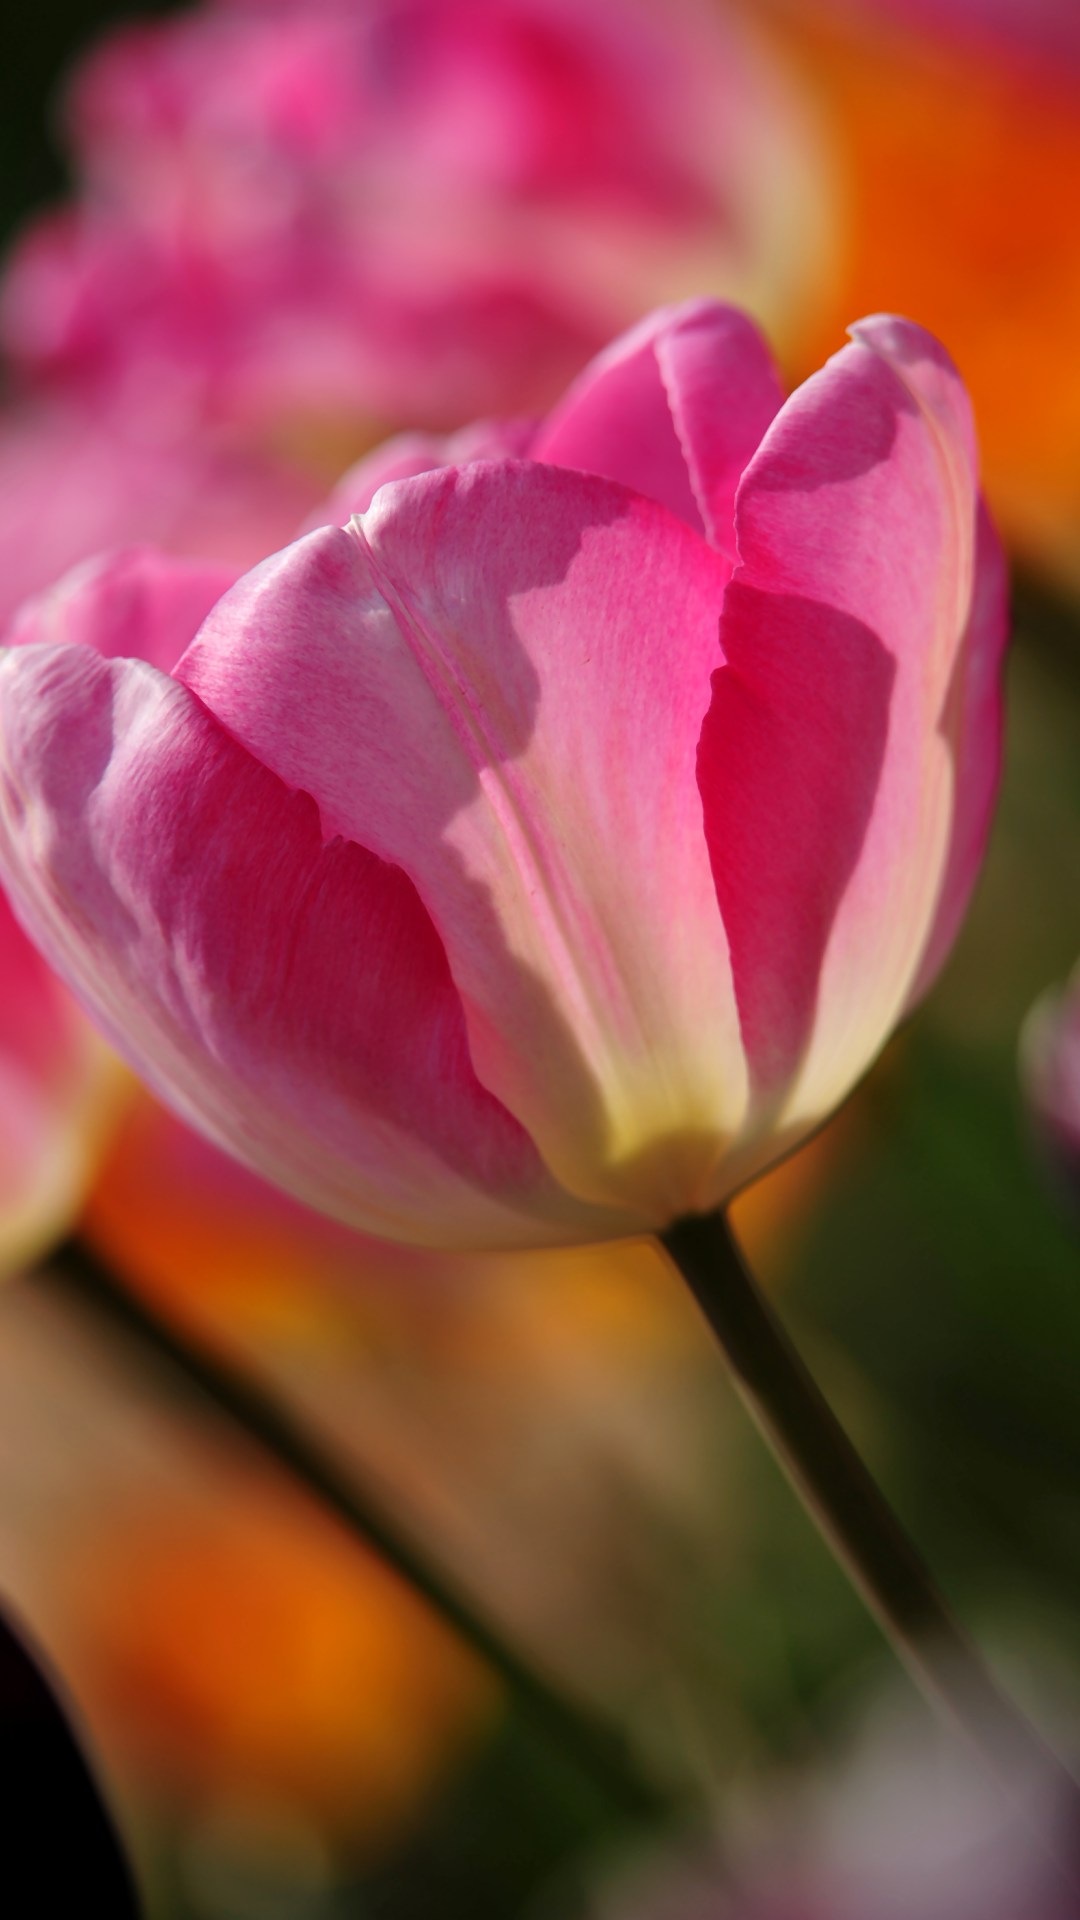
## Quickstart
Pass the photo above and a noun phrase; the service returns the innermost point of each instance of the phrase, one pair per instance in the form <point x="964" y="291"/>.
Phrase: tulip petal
<point x="496" y="680"/>
<point x="289" y="996"/>
<point x="136" y="603"/>
<point x="673" y="409"/>
<point x="827" y="761"/>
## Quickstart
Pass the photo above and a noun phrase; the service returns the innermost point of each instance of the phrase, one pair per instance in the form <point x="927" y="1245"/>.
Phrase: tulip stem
<point x="600" y="1755"/>
<point x="849" y="1507"/>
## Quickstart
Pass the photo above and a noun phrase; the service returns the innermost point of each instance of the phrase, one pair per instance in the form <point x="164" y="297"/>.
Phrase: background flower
<point x="956" y="130"/>
<point x="309" y="219"/>
<point x="904" y="1822"/>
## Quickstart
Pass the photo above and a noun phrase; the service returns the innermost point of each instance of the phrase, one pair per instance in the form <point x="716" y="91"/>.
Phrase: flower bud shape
<point x="540" y="854"/>
<point x="1050" y="1076"/>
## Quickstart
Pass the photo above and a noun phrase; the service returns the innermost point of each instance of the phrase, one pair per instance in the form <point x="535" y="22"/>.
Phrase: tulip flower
<point x="229" y="274"/>
<point x="300" y="219"/>
<point x="542" y="853"/>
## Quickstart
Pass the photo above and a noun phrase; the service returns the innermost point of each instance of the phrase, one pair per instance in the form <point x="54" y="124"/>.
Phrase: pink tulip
<point x="911" y="1827"/>
<point x="407" y="209"/>
<point x="541" y="854"/>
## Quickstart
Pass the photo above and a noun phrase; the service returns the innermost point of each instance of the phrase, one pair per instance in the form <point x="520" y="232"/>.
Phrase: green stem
<point x="850" y="1509"/>
<point x="599" y="1755"/>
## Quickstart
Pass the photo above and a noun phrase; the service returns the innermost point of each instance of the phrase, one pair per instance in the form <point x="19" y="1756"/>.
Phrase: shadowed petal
<point x="828" y="762"/>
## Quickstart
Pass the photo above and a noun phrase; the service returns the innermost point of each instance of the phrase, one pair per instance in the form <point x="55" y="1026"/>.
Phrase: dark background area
<point x="38" y="46"/>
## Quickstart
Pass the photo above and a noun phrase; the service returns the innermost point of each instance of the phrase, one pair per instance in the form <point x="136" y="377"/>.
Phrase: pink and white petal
<point x="409" y="454"/>
<point x="496" y="679"/>
<point x="289" y="996"/>
<point x="136" y="603"/>
<point x="674" y="409"/>
<point x="828" y="759"/>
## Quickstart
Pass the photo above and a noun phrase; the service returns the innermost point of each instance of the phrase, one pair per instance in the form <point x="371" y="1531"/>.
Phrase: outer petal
<point x="136" y="604"/>
<point x="674" y="409"/>
<point x="852" y="706"/>
<point x="289" y="995"/>
<point x="496" y="680"/>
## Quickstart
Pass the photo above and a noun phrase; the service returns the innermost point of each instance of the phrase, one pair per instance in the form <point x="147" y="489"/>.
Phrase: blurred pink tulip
<point x="910" y="1828"/>
<point x="541" y="854"/>
<point x="293" y="216"/>
<point x="72" y="481"/>
<point x="75" y="480"/>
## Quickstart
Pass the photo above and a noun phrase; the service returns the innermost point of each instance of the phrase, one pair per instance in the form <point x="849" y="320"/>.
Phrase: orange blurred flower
<point x="253" y="1654"/>
<point x="962" y="162"/>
